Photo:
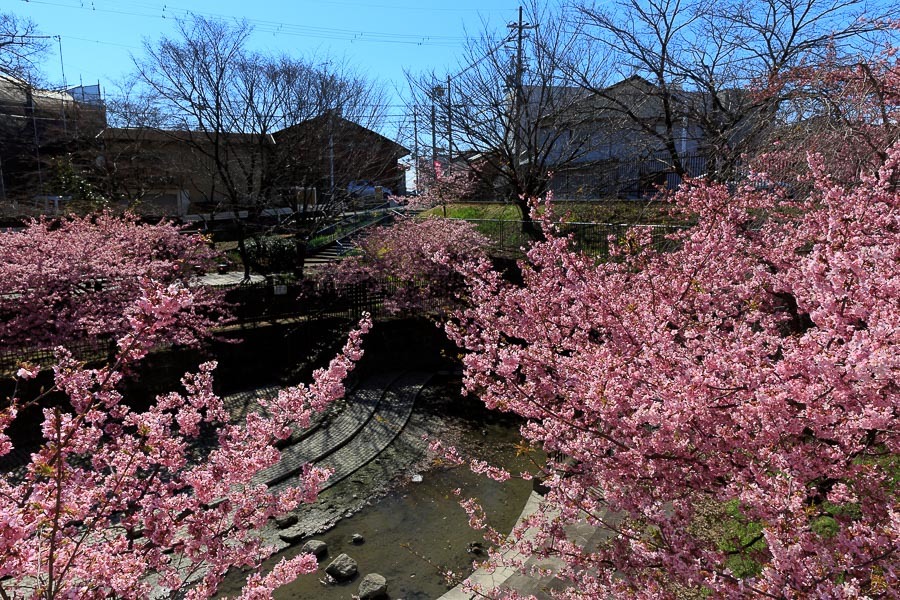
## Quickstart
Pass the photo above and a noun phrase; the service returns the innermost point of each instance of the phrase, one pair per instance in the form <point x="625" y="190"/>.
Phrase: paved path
<point x="389" y="418"/>
<point x="327" y="255"/>
<point x="240" y="404"/>
<point x="229" y="278"/>
<point x="510" y="578"/>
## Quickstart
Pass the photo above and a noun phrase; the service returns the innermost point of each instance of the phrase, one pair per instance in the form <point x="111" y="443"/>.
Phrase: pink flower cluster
<point x="414" y="261"/>
<point x="69" y="278"/>
<point x="729" y="411"/>
<point x="117" y="502"/>
<point x="443" y="187"/>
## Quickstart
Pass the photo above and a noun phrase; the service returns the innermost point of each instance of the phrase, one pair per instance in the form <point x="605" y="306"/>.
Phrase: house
<point x="37" y="128"/>
<point x="624" y="140"/>
<point x="330" y="152"/>
<point x="179" y="173"/>
<point x="176" y="173"/>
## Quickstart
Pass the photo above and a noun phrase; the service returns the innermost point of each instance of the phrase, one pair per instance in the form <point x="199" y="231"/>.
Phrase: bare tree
<point x="513" y="107"/>
<point x="716" y="70"/>
<point x="226" y="104"/>
<point x="21" y="47"/>
<point x="196" y="83"/>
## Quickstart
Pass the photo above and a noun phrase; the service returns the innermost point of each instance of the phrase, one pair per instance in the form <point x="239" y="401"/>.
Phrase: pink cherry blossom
<point x="413" y="262"/>
<point x="728" y="411"/>
<point x="125" y="501"/>
<point x="69" y="278"/>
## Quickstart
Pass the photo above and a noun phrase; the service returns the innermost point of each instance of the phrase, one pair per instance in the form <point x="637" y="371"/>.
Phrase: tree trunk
<point x="242" y="249"/>
<point x="530" y="229"/>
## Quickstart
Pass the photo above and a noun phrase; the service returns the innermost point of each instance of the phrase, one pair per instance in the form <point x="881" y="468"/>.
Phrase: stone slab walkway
<point x="230" y="278"/>
<point x="520" y="580"/>
<point x="389" y="418"/>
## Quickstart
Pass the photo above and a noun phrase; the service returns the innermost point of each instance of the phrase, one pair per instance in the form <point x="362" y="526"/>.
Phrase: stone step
<point x="360" y="406"/>
<point x="386" y="423"/>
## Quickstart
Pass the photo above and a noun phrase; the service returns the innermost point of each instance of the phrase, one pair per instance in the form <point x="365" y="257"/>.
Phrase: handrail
<point x="337" y="228"/>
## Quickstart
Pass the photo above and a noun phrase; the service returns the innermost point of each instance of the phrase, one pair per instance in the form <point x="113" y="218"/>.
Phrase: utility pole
<point x="62" y="68"/>
<point x="416" y="145"/>
<point x="331" y="153"/>
<point x="436" y="90"/>
<point x="433" y="134"/>
<point x="449" y="127"/>
<point x="520" y="28"/>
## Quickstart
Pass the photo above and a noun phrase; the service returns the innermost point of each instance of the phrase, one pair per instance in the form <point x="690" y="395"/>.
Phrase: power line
<point x="417" y="6"/>
<point x="277" y="28"/>
<point x="81" y="39"/>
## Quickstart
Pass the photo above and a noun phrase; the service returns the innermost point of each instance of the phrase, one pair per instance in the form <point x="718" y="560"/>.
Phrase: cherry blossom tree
<point x="413" y="262"/>
<point x="844" y="111"/>
<point x="124" y="503"/>
<point x="443" y="187"/>
<point x="728" y="411"/>
<point x="74" y="277"/>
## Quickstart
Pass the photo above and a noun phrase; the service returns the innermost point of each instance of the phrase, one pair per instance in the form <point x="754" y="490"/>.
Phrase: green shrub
<point x="272" y="254"/>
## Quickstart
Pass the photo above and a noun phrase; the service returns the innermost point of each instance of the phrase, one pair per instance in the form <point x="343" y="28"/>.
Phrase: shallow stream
<point x="419" y="531"/>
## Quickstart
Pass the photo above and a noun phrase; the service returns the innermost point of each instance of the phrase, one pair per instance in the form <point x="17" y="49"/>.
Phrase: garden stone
<point x="315" y="547"/>
<point x="293" y="534"/>
<point x="342" y="568"/>
<point x="372" y="586"/>
<point x="357" y="539"/>
<point x="286" y="521"/>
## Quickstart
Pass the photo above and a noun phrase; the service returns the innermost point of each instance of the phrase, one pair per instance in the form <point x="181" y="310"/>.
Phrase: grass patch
<point x="742" y="540"/>
<point x="631" y="212"/>
<point x="506" y="212"/>
<point x="591" y="224"/>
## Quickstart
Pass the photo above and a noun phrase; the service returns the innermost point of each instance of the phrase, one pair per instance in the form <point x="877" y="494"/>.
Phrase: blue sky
<point x="379" y="37"/>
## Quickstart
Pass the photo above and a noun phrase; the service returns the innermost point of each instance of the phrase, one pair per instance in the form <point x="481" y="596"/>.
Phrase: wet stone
<point x="342" y="568"/>
<point x="286" y="521"/>
<point x="315" y="547"/>
<point x="372" y="586"/>
<point x="475" y="548"/>
<point x="293" y="534"/>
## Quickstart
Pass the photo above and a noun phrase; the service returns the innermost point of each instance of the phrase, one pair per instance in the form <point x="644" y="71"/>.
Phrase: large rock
<point x="372" y="586"/>
<point x="342" y="568"/>
<point x="286" y="521"/>
<point x="294" y="534"/>
<point x="316" y="547"/>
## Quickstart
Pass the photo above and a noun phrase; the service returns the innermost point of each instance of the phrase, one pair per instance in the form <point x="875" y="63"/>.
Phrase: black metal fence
<point x="625" y="178"/>
<point x="507" y="236"/>
<point x="267" y="301"/>
<point x="250" y="306"/>
<point x="87" y="349"/>
<point x="312" y="300"/>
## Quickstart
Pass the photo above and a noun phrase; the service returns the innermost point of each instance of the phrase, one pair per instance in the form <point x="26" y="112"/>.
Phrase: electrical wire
<point x="288" y="29"/>
<point x="274" y="27"/>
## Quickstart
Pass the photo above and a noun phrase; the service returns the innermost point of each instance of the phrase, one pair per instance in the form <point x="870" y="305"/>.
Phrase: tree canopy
<point x="70" y="278"/>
